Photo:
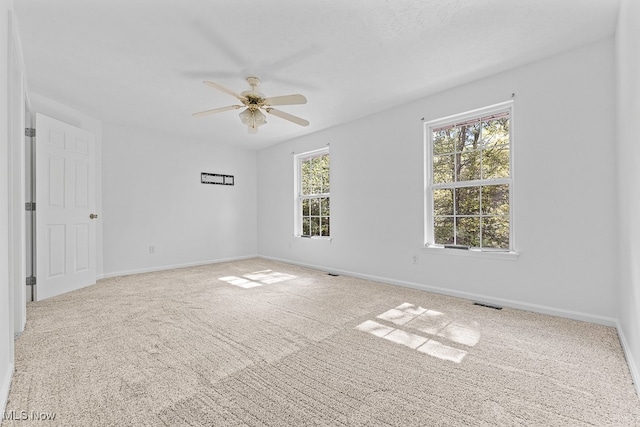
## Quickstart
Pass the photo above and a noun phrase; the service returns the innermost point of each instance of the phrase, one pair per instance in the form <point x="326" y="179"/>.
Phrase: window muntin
<point x="469" y="180"/>
<point x="313" y="214"/>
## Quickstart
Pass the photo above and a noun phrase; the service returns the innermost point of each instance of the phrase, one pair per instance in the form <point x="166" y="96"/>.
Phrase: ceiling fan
<point x="256" y="102"/>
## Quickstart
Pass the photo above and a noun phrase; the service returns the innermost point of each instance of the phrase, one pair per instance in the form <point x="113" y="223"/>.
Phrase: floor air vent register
<point x="484" y="304"/>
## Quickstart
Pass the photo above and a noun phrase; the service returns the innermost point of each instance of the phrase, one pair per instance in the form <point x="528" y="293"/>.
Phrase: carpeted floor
<point x="259" y="343"/>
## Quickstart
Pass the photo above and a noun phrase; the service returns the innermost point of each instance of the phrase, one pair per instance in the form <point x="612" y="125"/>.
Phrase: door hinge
<point x="30" y="206"/>
<point x="30" y="132"/>
<point x="31" y="280"/>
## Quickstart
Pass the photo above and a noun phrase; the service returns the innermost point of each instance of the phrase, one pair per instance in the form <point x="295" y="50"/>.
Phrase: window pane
<point x="324" y="226"/>
<point x="443" y="141"/>
<point x="321" y="178"/>
<point x="315" y="206"/>
<point x="495" y="132"/>
<point x="467" y="201"/>
<point x="495" y="199"/>
<point x="324" y="206"/>
<point x="443" y="170"/>
<point x="468" y="231"/>
<point x="306" y="229"/>
<point x="471" y="136"/>
<point x="443" y="230"/>
<point x="469" y="165"/>
<point x="305" y="175"/>
<point x="495" y="162"/>
<point x="324" y="161"/>
<point x="316" y="176"/>
<point x="305" y="207"/>
<point x="315" y="226"/>
<point x="495" y="232"/>
<point x="443" y="202"/>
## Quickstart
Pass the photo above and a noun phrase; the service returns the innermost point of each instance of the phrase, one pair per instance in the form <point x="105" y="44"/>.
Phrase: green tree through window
<point x="470" y="181"/>
<point x="314" y="194"/>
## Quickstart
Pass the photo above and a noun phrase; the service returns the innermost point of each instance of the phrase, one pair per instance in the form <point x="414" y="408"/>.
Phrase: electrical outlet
<point x="152" y="249"/>
<point x="414" y="259"/>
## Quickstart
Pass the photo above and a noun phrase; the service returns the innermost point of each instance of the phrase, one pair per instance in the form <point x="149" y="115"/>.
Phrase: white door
<point x="65" y="199"/>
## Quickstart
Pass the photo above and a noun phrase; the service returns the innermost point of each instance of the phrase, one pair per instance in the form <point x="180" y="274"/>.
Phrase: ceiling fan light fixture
<point x="246" y="116"/>
<point x="252" y="118"/>
<point x="259" y="117"/>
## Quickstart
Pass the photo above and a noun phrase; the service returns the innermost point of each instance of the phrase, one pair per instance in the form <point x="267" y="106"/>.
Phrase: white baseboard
<point x="633" y="367"/>
<point x="552" y="311"/>
<point x="171" y="267"/>
<point x="4" y="389"/>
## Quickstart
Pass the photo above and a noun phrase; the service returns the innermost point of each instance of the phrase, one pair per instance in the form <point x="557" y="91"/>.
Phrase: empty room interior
<point x="332" y="213"/>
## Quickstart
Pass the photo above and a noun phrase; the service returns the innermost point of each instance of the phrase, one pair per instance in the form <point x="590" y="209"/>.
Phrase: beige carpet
<point x="258" y="343"/>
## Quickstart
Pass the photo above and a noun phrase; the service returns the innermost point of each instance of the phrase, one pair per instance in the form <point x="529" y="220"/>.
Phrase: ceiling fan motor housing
<point x="254" y="98"/>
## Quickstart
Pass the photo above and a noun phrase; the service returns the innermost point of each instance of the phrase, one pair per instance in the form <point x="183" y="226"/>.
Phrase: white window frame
<point x="429" y="186"/>
<point x="297" y="204"/>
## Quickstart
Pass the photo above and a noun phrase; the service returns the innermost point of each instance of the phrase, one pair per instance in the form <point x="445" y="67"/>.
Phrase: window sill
<point x="506" y="255"/>
<point x="322" y="238"/>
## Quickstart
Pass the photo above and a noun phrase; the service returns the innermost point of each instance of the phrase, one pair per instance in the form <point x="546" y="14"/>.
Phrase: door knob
<point x="93" y="216"/>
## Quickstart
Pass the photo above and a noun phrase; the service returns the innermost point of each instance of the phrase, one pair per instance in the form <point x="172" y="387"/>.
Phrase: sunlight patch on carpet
<point x="239" y="281"/>
<point x="426" y="321"/>
<point x="257" y="278"/>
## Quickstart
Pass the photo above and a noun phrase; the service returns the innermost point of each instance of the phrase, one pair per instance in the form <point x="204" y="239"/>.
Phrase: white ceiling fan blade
<point x="287" y="116"/>
<point x="217" y="110"/>
<point x="224" y="89"/>
<point x="286" y="100"/>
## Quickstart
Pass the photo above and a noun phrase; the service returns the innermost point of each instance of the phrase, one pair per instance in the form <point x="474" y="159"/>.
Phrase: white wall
<point x="152" y="196"/>
<point x="58" y="111"/>
<point x="628" y="78"/>
<point x="6" y="312"/>
<point x="565" y="202"/>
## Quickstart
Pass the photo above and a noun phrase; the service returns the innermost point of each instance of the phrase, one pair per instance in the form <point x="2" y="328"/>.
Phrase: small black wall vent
<point x="216" y="178"/>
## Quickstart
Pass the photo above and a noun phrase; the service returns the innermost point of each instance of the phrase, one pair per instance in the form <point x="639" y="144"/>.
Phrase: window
<point x="469" y="180"/>
<point x="312" y="194"/>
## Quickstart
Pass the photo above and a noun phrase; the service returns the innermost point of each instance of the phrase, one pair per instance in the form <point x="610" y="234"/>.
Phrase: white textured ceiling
<point x="142" y="62"/>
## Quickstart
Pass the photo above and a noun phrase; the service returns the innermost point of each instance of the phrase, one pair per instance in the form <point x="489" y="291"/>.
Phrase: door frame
<point x="18" y="105"/>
